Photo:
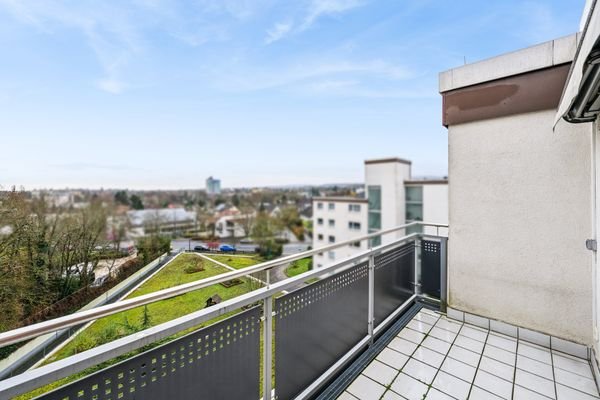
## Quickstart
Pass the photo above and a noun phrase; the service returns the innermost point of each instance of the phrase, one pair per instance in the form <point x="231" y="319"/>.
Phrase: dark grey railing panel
<point x="316" y="325"/>
<point x="430" y="268"/>
<point x="394" y="277"/>
<point x="219" y="362"/>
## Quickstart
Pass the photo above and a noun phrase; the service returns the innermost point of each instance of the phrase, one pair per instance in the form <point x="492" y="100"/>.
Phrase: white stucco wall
<point x="342" y="216"/>
<point x="520" y="212"/>
<point x="435" y="206"/>
<point x="390" y="176"/>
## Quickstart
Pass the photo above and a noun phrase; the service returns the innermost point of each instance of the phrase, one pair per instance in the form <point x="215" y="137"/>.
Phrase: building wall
<point x="520" y="212"/>
<point x="342" y="216"/>
<point x="435" y="206"/>
<point x="390" y="176"/>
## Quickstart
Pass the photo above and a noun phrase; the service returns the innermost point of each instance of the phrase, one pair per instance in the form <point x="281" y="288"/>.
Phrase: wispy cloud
<point x="280" y="30"/>
<point x="311" y="13"/>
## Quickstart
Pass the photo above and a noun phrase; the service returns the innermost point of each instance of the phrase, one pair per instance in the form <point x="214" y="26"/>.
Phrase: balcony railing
<point x="277" y="344"/>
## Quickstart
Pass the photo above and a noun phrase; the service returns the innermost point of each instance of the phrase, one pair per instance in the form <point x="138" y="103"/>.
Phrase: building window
<point x="331" y="255"/>
<point x="355" y="244"/>
<point x="320" y="237"/>
<point x="374" y="193"/>
<point x="354" y="225"/>
<point x="332" y="206"/>
<point x="319" y="265"/>
<point x="414" y="207"/>
<point x="320" y="221"/>
<point x="331" y="223"/>
<point x="354" y="207"/>
<point x="376" y="241"/>
<point x="320" y="206"/>
<point x="331" y="239"/>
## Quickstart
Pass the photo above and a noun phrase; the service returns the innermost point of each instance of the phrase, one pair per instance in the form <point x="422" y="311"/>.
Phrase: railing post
<point x="418" y="266"/>
<point x="267" y="347"/>
<point x="371" y="313"/>
<point x="443" y="274"/>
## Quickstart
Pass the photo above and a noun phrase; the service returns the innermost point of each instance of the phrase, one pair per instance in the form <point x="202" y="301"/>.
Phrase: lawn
<point x="237" y="262"/>
<point x="299" y="267"/>
<point x="183" y="269"/>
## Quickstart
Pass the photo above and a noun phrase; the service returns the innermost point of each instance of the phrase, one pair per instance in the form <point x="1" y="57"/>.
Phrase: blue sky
<point x="163" y="93"/>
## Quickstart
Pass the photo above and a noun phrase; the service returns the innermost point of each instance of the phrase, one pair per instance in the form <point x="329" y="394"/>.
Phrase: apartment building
<point x="393" y="199"/>
<point x="338" y="219"/>
<point x="213" y="186"/>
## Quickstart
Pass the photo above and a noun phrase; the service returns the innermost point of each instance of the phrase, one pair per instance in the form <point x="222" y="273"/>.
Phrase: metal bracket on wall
<point x="591" y="244"/>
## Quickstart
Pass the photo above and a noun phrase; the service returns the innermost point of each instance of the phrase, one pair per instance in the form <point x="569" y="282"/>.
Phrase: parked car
<point x="226" y="248"/>
<point x="201" y="247"/>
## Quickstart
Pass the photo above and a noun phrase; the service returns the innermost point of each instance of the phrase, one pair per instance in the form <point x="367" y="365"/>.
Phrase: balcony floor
<point x="437" y="358"/>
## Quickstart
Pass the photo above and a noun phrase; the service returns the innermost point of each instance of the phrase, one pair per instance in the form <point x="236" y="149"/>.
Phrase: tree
<point x="136" y="202"/>
<point x="121" y="198"/>
<point x="247" y="219"/>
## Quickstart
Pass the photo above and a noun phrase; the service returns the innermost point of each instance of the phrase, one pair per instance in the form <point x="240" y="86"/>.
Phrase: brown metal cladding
<point x="531" y="91"/>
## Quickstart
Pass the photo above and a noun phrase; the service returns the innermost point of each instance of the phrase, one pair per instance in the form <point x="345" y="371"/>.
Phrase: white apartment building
<point x="337" y="219"/>
<point x="393" y="199"/>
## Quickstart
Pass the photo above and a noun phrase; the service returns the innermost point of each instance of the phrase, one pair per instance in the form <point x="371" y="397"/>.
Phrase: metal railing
<point x="63" y="368"/>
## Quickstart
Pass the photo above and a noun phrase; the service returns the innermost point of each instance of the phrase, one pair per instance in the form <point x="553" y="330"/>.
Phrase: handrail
<point x="31" y="331"/>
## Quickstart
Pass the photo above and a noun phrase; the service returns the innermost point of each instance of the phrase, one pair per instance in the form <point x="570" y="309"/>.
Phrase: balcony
<point x="371" y="325"/>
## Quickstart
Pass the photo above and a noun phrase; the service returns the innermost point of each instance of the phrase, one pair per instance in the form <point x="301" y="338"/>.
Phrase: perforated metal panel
<point x="220" y="362"/>
<point x="394" y="277"/>
<point x="430" y="268"/>
<point x="316" y="325"/>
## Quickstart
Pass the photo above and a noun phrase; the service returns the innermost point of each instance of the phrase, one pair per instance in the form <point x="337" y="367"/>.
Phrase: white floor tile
<point x="566" y="393"/>
<point x="428" y="356"/>
<point x="497" y="368"/>
<point x="575" y="381"/>
<point x="442" y="334"/>
<point x="428" y="319"/>
<point x="535" y="383"/>
<point x="480" y="394"/>
<point x="430" y="312"/>
<point x="572" y="364"/>
<point x="380" y="373"/>
<point x="392" y="358"/>
<point x="536" y="352"/>
<point x="493" y="384"/>
<point x="346" y="396"/>
<point x="435" y="394"/>
<point x="520" y="393"/>
<point x="474" y="333"/>
<point x="419" y="326"/>
<point x="436" y="345"/>
<point x="409" y="388"/>
<point x="469" y="344"/>
<point x="403" y="346"/>
<point x="501" y="355"/>
<point x="535" y="367"/>
<point x="504" y="343"/>
<point x="464" y="355"/>
<point x="411" y="336"/>
<point x="365" y="388"/>
<point x="389" y="395"/>
<point x="420" y="371"/>
<point x="451" y="385"/>
<point x="448" y="325"/>
<point x="459" y="369"/>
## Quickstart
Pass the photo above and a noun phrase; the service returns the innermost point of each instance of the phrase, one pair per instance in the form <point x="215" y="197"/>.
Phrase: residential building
<point x="233" y="225"/>
<point x="337" y="219"/>
<point x="213" y="186"/>
<point x="393" y="199"/>
<point x="165" y="220"/>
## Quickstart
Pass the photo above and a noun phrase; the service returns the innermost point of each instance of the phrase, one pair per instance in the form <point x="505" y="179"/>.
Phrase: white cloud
<point x="311" y="13"/>
<point x="278" y="32"/>
<point x="110" y="85"/>
<point x="319" y="8"/>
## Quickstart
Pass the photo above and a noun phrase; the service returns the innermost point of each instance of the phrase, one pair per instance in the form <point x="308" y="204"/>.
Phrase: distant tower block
<point x="213" y="186"/>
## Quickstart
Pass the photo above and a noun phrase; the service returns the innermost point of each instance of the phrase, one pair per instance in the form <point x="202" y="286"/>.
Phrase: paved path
<point x="228" y="267"/>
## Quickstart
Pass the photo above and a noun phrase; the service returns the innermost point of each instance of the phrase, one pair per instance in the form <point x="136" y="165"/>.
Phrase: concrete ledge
<point x="544" y="55"/>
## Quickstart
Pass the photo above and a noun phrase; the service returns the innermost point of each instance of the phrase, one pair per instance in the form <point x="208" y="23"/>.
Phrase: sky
<point x="160" y="94"/>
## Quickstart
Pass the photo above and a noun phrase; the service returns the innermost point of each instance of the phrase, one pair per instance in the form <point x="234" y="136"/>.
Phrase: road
<point x="290" y="248"/>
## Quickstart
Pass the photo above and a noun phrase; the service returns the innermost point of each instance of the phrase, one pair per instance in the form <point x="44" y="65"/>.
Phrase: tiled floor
<point x="437" y="358"/>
